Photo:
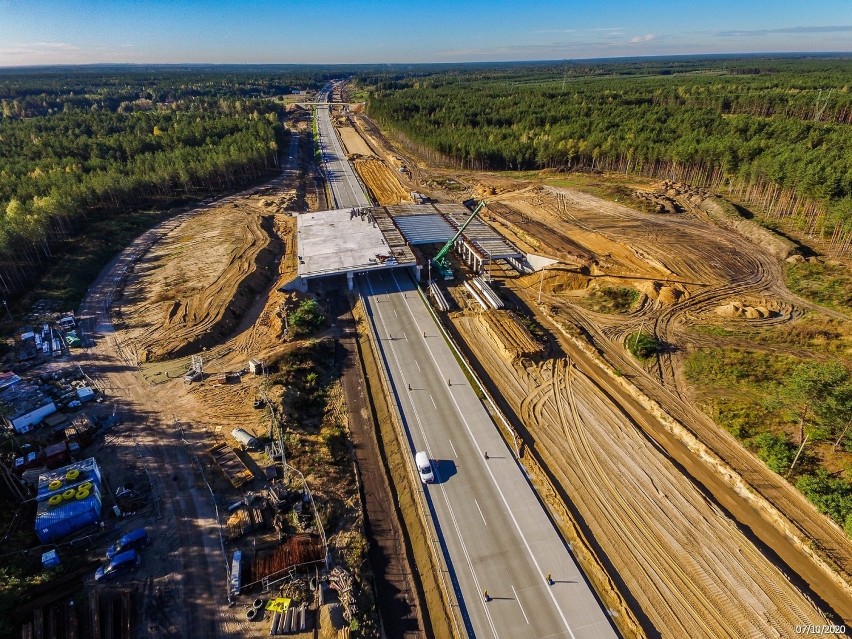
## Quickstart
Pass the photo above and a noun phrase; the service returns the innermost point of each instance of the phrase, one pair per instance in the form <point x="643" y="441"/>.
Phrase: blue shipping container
<point x="87" y="471"/>
<point x="52" y="523"/>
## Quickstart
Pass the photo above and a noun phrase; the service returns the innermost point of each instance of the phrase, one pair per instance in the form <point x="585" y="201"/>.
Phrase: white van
<point x="424" y="467"/>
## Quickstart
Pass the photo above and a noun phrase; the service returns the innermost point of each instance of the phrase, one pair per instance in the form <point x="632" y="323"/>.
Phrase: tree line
<point x="775" y="132"/>
<point x="75" y="146"/>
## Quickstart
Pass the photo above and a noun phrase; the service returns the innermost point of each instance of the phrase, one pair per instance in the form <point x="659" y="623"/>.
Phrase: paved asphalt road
<point x="345" y="187"/>
<point x="495" y="532"/>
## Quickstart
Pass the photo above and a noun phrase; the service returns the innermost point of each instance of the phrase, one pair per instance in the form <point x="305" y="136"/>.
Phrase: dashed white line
<point x="433" y="401"/>
<point x="483" y="520"/>
<point x="518" y="599"/>
<point x="417" y="365"/>
<point x="454" y="448"/>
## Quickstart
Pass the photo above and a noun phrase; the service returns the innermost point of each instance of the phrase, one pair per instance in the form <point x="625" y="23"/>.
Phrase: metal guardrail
<point x="422" y="510"/>
<point x="461" y="358"/>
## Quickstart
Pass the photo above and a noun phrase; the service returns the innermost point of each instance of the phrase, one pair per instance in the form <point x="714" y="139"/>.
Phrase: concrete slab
<point x="332" y="242"/>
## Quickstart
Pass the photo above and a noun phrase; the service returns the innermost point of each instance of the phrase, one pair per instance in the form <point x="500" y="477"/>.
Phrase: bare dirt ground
<point x="194" y="287"/>
<point x="685" y="268"/>
<point x="382" y="182"/>
<point x="353" y="142"/>
<point x="714" y="268"/>
<point x="692" y="572"/>
<point x="221" y="269"/>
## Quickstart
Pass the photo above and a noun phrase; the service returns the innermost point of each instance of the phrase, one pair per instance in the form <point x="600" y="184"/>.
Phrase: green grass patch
<point x="826" y="284"/>
<point x="642" y="345"/>
<point x="307" y="319"/>
<point x="732" y="368"/>
<point x="612" y="299"/>
<point x="831" y="495"/>
<point x="764" y="398"/>
<point x="712" y="330"/>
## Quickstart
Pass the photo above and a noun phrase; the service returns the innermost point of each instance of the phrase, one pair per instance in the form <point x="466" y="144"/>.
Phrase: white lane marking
<point x="454" y="448"/>
<point x="433" y="401"/>
<point x="518" y="599"/>
<point x="453" y="519"/>
<point x="480" y="514"/>
<point x="417" y="365"/>
<point x="394" y="312"/>
<point x="490" y="473"/>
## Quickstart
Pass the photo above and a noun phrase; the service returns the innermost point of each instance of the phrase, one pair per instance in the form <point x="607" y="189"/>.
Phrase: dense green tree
<point x="777" y="135"/>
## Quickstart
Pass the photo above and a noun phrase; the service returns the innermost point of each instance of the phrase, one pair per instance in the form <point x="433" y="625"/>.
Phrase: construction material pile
<point x="341" y="581"/>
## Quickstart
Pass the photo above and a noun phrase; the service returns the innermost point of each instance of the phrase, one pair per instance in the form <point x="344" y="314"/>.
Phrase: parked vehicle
<point x="122" y="564"/>
<point x="134" y="540"/>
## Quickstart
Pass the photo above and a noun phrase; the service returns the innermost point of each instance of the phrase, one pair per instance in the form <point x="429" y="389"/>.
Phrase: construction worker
<point x="485" y="595"/>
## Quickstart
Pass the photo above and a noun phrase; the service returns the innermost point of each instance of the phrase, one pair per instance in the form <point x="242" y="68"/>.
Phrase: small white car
<point x="424" y="467"/>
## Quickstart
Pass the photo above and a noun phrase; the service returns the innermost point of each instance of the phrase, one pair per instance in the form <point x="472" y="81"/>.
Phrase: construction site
<point x="256" y="434"/>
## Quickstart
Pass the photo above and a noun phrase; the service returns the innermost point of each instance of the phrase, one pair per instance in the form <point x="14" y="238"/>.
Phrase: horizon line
<point x="754" y="54"/>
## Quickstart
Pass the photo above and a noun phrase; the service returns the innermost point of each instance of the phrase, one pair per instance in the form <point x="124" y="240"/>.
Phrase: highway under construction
<point x="509" y="571"/>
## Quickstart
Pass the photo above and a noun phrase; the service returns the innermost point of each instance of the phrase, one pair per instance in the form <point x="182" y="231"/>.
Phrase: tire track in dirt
<point x="693" y="572"/>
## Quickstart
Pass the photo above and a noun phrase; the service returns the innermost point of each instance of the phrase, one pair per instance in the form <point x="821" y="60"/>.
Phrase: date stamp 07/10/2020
<point x="820" y="630"/>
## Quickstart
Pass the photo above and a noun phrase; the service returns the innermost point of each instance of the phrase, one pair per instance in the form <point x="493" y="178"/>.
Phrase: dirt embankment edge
<point x="725" y="214"/>
<point x="728" y="474"/>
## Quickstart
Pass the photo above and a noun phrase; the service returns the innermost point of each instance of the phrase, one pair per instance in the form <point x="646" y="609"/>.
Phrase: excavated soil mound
<point x="558" y="280"/>
<point x="666" y="295"/>
<point x="742" y="310"/>
<point x="382" y="182"/>
<point x="512" y="338"/>
<point x="195" y="288"/>
<point x="669" y="295"/>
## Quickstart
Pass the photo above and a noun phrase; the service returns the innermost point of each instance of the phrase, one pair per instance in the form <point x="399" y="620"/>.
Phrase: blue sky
<point x="351" y="31"/>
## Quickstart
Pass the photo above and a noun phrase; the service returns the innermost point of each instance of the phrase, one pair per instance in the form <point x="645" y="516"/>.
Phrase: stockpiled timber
<point x="230" y="464"/>
<point x="382" y="182"/>
<point x="298" y="550"/>
<point x="510" y="336"/>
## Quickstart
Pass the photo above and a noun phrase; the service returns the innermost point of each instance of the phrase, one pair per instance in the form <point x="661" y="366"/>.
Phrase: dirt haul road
<point x="194" y="571"/>
<point x="688" y="566"/>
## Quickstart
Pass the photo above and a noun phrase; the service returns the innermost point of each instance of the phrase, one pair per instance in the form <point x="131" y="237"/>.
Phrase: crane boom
<point x="440" y="260"/>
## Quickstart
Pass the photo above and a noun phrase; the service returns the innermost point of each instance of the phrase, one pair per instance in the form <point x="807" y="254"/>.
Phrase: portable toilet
<point x="50" y="559"/>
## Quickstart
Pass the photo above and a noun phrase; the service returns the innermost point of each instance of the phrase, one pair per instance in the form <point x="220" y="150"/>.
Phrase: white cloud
<point x="38" y="48"/>
<point x="648" y="37"/>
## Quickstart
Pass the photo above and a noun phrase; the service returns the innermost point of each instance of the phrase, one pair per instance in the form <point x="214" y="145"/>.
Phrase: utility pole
<point x="796" y="458"/>
<point x="843" y="434"/>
